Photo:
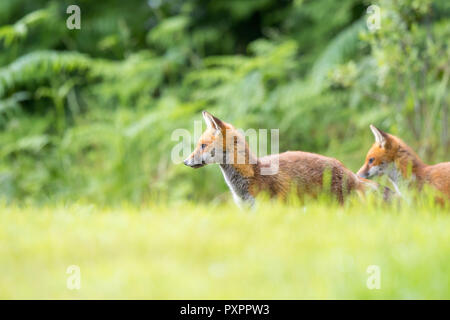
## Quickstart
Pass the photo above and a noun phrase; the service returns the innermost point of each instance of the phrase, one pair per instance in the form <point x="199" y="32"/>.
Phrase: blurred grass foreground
<point x="198" y="252"/>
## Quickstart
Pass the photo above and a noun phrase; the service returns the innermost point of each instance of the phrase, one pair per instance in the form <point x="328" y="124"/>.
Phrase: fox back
<point x="309" y="173"/>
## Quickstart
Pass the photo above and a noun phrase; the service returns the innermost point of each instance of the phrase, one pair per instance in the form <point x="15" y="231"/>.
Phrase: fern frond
<point x="40" y="65"/>
<point x="340" y="48"/>
<point x="19" y="30"/>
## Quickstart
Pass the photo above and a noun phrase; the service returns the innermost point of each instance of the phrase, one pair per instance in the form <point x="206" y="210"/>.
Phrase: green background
<point x="89" y="114"/>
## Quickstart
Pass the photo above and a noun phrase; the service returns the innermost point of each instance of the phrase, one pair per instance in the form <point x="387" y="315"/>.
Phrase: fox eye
<point x="203" y="146"/>
<point x="371" y="160"/>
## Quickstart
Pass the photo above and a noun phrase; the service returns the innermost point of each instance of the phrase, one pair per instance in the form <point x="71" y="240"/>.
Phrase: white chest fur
<point x="238" y="185"/>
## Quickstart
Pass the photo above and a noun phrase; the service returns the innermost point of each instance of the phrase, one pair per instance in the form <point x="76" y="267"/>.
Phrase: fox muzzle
<point x="191" y="163"/>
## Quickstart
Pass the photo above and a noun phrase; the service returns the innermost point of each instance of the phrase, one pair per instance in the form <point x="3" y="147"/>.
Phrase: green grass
<point x="187" y="251"/>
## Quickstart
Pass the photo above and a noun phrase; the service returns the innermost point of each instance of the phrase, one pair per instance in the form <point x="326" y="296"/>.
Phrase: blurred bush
<point x="89" y="114"/>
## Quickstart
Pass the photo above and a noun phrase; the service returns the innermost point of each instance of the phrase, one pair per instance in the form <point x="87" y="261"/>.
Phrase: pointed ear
<point x="213" y="122"/>
<point x="380" y="137"/>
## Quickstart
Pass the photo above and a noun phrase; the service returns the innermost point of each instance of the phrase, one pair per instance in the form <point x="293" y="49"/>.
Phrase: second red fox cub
<point x="244" y="173"/>
<point x="390" y="155"/>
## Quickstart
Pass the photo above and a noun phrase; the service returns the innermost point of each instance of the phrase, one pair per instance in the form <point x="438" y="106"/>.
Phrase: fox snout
<point x="190" y="162"/>
<point x="363" y="173"/>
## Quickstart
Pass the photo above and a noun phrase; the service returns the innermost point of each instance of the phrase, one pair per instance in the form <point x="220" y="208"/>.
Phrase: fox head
<point x="380" y="156"/>
<point x="219" y="143"/>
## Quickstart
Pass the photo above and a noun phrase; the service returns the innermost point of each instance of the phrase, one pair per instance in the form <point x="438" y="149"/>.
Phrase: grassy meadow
<point x="187" y="251"/>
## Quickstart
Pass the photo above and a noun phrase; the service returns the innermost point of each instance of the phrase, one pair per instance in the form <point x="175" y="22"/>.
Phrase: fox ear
<point x="213" y="122"/>
<point x="380" y="137"/>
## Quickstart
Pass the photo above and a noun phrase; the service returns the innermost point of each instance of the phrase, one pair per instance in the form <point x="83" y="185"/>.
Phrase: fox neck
<point x="407" y="164"/>
<point x="239" y="185"/>
<point x="238" y="177"/>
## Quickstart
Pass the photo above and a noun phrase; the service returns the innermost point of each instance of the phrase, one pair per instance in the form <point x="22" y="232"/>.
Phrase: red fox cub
<point x="390" y="155"/>
<point x="244" y="173"/>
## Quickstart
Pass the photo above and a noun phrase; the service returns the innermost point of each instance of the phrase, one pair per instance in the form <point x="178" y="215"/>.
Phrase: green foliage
<point x="89" y="114"/>
<point x="410" y="70"/>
